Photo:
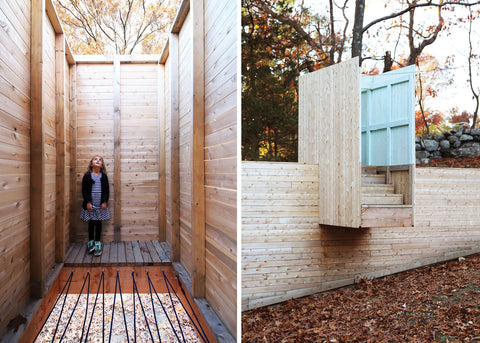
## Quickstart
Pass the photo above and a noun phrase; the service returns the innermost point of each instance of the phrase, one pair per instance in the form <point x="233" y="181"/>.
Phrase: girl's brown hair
<point x="104" y="168"/>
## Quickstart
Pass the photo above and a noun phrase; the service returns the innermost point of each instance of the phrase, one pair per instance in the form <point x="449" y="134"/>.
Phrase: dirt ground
<point x="438" y="303"/>
<point x="465" y="162"/>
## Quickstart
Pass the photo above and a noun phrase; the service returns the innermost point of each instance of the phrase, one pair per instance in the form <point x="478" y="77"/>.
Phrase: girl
<point x="95" y="191"/>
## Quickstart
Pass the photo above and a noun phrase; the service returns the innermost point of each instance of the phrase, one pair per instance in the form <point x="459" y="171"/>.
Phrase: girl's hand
<point x="104" y="205"/>
<point x="89" y="206"/>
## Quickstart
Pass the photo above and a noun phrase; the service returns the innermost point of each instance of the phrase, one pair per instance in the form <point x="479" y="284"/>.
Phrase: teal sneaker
<point x="98" y="248"/>
<point x="90" y="246"/>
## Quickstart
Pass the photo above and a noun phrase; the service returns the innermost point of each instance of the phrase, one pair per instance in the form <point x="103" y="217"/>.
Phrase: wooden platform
<point x="134" y="253"/>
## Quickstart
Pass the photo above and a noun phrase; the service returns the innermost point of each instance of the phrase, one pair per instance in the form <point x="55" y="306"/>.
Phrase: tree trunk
<point x="358" y="29"/>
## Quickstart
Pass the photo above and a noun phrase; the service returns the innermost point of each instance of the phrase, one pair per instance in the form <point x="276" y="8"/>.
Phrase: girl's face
<point x="97" y="161"/>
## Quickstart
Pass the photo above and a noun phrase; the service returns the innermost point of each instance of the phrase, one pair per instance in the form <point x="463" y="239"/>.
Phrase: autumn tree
<point x="273" y="55"/>
<point x="471" y="57"/>
<point x="424" y="37"/>
<point x="116" y="27"/>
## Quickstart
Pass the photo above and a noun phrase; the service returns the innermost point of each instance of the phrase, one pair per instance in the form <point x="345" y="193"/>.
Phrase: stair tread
<point x="386" y="206"/>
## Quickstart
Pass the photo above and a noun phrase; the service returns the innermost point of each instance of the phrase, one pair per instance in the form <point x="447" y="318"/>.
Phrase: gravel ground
<point x="78" y="322"/>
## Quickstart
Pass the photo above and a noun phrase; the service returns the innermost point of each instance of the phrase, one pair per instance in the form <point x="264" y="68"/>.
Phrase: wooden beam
<point x="165" y="52"/>
<point x="181" y="16"/>
<point x="52" y="15"/>
<point x="117" y="181"/>
<point x="37" y="153"/>
<point x="97" y="59"/>
<point x="60" y="215"/>
<point x="198" y="160"/>
<point x="174" y="149"/>
<point x="162" y="220"/>
<point x="74" y="208"/>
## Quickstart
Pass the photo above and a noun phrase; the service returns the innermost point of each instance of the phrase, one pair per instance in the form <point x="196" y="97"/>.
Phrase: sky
<point x="455" y="45"/>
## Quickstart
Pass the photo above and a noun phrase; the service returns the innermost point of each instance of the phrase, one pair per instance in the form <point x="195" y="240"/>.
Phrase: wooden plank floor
<point x="136" y="253"/>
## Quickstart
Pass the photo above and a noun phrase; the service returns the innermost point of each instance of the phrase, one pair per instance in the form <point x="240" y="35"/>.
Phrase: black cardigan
<point x="87" y="183"/>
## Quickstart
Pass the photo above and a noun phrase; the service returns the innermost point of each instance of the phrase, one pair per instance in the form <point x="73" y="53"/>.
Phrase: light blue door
<point x="388" y="118"/>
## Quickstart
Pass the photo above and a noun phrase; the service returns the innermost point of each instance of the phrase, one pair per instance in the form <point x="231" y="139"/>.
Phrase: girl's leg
<point x="98" y="231"/>
<point x="91" y="229"/>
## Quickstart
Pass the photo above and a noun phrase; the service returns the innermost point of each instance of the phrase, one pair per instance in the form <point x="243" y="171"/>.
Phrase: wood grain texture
<point x="220" y="155"/>
<point x="15" y="163"/>
<point x="329" y="106"/>
<point x="286" y="255"/>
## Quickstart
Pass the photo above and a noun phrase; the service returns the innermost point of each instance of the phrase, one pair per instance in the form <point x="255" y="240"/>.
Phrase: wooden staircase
<point x="381" y="206"/>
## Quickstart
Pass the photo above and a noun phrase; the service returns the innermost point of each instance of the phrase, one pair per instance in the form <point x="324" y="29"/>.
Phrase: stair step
<point x="373" y="178"/>
<point x="369" y="169"/>
<point x="382" y="199"/>
<point x="378" y="188"/>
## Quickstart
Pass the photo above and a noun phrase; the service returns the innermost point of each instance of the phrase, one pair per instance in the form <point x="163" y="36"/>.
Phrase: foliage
<point x="434" y="120"/>
<point x="273" y="55"/>
<point x="422" y="305"/>
<point x="116" y="27"/>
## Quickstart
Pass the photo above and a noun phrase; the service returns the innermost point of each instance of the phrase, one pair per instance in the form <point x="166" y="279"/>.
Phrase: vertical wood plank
<point x="37" y="147"/>
<point x="60" y="217"/>
<point x="74" y="206"/>
<point x="117" y="218"/>
<point x="162" y="219"/>
<point x="198" y="164"/>
<point x="174" y="149"/>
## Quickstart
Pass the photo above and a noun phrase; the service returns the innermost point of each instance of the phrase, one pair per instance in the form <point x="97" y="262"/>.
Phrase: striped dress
<point x="96" y="213"/>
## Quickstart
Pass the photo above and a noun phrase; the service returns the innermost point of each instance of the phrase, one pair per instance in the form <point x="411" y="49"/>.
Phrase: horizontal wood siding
<point x="329" y="134"/>
<point x="167" y="147"/>
<point x="185" y="75"/>
<point x="14" y="158"/>
<point x="50" y="142"/>
<point x="221" y="158"/>
<point x="94" y="102"/>
<point x="286" y="254"/>
<point x="281" y="248"/>
<point x="139" y="151"/>
<point x="447" y="197"/>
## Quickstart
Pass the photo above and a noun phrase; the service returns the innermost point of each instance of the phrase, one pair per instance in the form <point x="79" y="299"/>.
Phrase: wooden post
<point x="198" y="159"/>
<point x="162" y="234"/>
<point x="75" y="205"/>
<point x="37" y="154"/>
<point x="117" y="217"/>
<point x="174" y="149"/>
<point x="61" y="148"/>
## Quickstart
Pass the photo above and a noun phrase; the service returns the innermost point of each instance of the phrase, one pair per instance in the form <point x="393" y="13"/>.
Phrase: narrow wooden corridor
<point x="131" y="253"/>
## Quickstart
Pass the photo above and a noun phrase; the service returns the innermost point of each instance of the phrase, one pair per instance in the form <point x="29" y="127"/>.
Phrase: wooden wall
<point x="221" y="157"/>
<point x="286" y="254"/>
<point x="138" y="135"/>
<point x="139" y="151"/>
<point x="34" y="106"/>
<point x="94" y="135"/>
<point x="200" y="64"/>
<point x="14" y="158"/>
<point x="329" y="134"/>
<point x="50" y="130"/>
<point x="280" y="232"/>
<point x="185" y="95"/>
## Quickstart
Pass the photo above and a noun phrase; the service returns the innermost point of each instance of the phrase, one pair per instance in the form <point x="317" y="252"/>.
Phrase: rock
<point x="453" y="139"/>
<point x="430" y="145"/>
<point x="439" y="137"/>
<point x="465" y="152"/>
<point x="475" y="132"/>
<point x="457" y="144"/>
<point x="418" y="147"/>
<point x="467" y="131"/>
<point x="421" y="154"/>
<point x="444" y="145"/>
<point x="417" y="139"/>
<point x="427" y="136"/>
<point x="436" y="154"/>
<point x="425" y="160"/>
<point x="466" y="138"/>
